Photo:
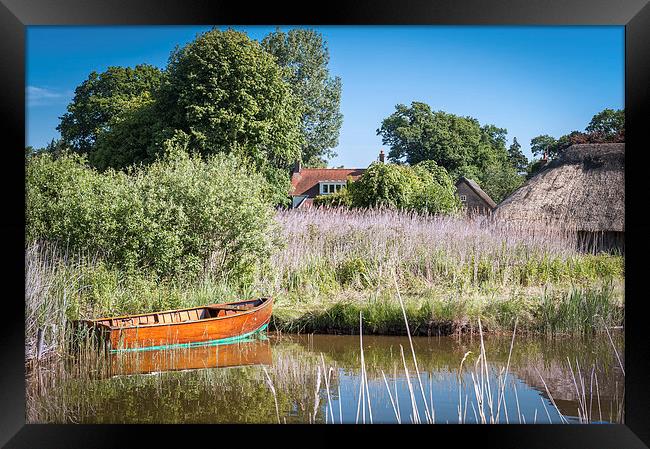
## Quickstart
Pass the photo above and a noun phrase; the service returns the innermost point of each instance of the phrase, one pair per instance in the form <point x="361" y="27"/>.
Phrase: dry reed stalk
<point x="391" y="398"/>
<point x="517" y="401"/>
<point x="600" y="413"/>
<point x="562" y="418"/>
<point x="503" y="391"/>
<point x="546" y="409"/>
<point x="327" y="387"/>
<point x="272" y="388"/>
<point x="618" y="357"/>
<point x="415" y="416"/>
<point x="415" y="361"/>
<point x="340" y="406"/>
<point x="316" y="395"/>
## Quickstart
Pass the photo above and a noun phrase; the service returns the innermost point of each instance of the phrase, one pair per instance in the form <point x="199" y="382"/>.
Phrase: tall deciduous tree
<point x="543" y="144"/>
<point x="221" y="93"/>
<point x="228" y="95"/>
<point x="459" y="144"/>
<point x="607" y="123"/>
<point x="100" y="98"/>
<point x="417" y="134"/>
<point x="305" y="55"/>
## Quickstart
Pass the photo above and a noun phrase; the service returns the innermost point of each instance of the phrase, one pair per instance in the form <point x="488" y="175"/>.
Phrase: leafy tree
<point x="606" y="126"/>
<point x="383" y="185"/>
<point x="543" y="144"/>
<point x="133" y="136"/>
<point x="608" y="123"/>
<point x="459" y="144"/>
<point x="306" y="56"/>
<point x="437" y="192"/>
<point x="417" y="134"/>
<point x="425" y="187"/>
<point x="500" y="181"/>
<point x="226" y="94"/>
<point x="517" y="157"/>
<point x="100" y="98"/>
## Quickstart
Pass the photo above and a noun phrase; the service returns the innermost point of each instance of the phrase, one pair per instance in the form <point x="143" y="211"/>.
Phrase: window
<point x="328" y="187"/>
<point x="463" y="198"/>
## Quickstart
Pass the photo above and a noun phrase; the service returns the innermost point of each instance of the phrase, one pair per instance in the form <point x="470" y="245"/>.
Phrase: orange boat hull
<point x="216" y="322"/>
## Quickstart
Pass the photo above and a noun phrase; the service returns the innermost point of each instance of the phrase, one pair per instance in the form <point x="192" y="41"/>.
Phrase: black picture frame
<point x="15" y="15"/>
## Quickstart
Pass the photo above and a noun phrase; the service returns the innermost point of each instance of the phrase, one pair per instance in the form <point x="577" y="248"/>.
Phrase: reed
<point x="335" y="263"/>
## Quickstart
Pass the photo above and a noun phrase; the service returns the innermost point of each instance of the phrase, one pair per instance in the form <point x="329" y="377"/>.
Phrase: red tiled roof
<point x="306" y="181"/>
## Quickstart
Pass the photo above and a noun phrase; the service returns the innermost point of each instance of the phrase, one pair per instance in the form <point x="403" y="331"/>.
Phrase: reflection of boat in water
<point x="240" y="353"/>
<point x="217" y="322"/>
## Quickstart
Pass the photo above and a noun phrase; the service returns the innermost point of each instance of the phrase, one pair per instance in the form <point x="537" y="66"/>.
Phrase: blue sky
<point x="529" y="80"/>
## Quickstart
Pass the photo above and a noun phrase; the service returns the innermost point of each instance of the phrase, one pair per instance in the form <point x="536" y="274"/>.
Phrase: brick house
<point x="308" y="183"/>
<point x="474" y="199"/>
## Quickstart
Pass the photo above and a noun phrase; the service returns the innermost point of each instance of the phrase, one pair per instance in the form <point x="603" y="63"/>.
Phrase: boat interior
<point x="179" y="316"/>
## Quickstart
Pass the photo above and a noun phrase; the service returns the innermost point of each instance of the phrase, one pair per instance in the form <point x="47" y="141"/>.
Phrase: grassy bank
<point x="333" y="264"/>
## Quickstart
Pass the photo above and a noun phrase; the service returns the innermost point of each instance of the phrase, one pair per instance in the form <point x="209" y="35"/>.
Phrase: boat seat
<point x="227" y="308"/>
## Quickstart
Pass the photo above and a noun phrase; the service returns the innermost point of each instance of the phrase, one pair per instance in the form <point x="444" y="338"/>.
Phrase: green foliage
<point x="100" y="98"/>
<point x="353" y="271"/>
<point x="517" y="157"/>
<point x="500" y="181"/>
<point x="436" y="192"/>
<point x="340" y="198"/>
<point x="581" y="310"/>
<point x="384" y="185"/>
<point x="178" y="215"/>
<point x="306" y="56"/>
<point x="459" y="144"/>
<point x="543" y="144"/>
<point x="416" y="134"/>
<point x="132" y="136"/>
<point x="228" y="95"/>
<point x="425" y="187"/>
<point x="606" y="126"/>
<point x="607" y="123"/>
<point x="221" y="93"/>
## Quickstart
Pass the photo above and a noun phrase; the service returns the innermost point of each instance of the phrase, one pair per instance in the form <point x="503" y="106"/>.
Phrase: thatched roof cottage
<point x="583" y="189"/>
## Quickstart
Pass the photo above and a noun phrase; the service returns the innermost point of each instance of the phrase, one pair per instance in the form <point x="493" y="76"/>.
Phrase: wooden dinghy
<point x="218" y="323"/>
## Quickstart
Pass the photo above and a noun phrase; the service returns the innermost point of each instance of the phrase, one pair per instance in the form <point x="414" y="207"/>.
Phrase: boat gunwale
<point x="268" y="301"/>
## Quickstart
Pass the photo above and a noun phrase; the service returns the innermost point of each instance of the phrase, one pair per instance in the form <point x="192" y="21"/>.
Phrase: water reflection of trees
<point x="71" y="393"/>
<point x="559" y="363"/>
<point x="77" y="394"/>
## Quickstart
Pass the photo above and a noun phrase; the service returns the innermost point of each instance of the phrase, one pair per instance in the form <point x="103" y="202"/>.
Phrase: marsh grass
<point x="336" y="264"/>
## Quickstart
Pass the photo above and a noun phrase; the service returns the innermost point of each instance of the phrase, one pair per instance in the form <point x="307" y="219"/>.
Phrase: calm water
<point x="318" y="379"/>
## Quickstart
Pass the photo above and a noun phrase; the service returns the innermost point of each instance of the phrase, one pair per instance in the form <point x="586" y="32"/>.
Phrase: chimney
<point x="381" y="156"/>
<point x="297" y="167"/>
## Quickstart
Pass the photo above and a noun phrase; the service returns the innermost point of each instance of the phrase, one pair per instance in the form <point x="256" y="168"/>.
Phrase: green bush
<point x="178" y="215"/>
<point x="341" y="198"/>
<point x="425" y="187"/>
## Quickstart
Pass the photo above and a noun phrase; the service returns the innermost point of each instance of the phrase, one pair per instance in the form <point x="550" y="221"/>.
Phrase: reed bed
<point x="335" y="264"/>
<point x="326" y="247"/>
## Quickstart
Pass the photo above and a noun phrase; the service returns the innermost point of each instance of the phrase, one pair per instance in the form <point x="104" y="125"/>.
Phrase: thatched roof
<point x="584" y="189"/>
<point x="475" y="187"/>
